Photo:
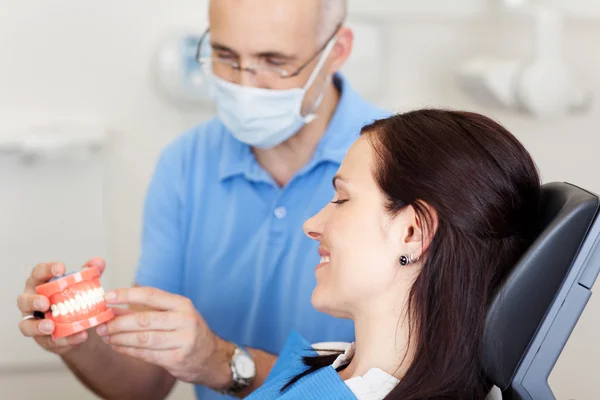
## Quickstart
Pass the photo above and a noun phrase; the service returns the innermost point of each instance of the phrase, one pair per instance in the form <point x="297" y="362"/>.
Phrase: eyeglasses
<point x="261" y="71"/>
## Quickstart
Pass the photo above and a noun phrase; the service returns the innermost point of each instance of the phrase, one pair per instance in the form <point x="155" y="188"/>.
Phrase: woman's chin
<point x="323" y="302"/>
<point x="319" y="299"/>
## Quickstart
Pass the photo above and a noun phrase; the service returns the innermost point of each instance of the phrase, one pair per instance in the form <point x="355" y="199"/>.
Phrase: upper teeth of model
<point x="325" y="259"/>
<point x="82" y="301"/>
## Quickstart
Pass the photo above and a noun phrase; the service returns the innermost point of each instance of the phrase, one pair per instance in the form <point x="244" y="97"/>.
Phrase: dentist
<point x="225" y="271"/>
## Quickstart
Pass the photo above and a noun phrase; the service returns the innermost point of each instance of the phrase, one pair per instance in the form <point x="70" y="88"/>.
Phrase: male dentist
<point x="225" y="271"/>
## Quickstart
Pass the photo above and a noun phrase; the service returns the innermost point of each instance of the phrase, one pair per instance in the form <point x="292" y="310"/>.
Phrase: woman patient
<point x="432" y="208"/>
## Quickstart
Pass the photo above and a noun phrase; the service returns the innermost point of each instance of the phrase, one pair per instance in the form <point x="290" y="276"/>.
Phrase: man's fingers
<point x="35" y="327"/>
<point x="153" y="340"/>
<point x="42" y="273"/>
<point x="141" y="321"/>
<point x="96" y="262"/>
<point x="28" y="303"/>
<point x="119" y="311"/>
<point x="49" y="343"/>
<point x="146" y="296"/>
<point x="72" y="340"/>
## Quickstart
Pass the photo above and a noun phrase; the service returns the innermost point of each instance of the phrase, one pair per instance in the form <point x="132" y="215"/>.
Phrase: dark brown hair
<point x="485" y="189"/>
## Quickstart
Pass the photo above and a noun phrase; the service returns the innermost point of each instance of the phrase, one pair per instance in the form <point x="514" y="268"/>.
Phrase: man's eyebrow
<point x="222" y="47"/>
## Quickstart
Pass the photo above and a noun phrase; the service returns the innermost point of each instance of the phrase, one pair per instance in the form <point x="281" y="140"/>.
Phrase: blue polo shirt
<point x="219" y="230"/>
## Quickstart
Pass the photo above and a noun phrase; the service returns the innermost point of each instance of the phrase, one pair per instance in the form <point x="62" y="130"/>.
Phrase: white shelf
<point x="399" y="9"/>
<point x="51" y="140"/>
<point x="387" y="8"/>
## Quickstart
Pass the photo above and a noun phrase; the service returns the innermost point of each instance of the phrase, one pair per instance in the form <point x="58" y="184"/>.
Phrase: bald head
<point x="283" y="34"/>
<point x="332" y="13"/>
<point x="279" y="16"/>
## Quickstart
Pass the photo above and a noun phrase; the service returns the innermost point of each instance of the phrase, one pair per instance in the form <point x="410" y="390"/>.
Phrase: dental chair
<point x="532" y="316"/>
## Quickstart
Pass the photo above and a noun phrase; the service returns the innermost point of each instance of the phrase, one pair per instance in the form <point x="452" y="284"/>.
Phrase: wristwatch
<point x="243" y="370"/>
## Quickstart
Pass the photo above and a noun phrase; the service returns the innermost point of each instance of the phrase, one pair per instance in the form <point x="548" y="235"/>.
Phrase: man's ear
<point x="341" y="50"/>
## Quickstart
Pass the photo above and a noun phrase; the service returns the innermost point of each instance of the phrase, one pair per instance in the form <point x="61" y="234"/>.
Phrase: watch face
<point x="244" y="366"/>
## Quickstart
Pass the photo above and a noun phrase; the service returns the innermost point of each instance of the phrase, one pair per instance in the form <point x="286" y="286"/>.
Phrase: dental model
<point x="76" y="302"/>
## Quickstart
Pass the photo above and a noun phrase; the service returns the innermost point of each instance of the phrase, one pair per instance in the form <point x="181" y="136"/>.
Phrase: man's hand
<point x="29" y="301"/>
<point x="172" y="335"/>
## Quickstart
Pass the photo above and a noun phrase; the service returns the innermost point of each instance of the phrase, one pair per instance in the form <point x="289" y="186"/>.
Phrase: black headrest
<point x="519" y="307"/>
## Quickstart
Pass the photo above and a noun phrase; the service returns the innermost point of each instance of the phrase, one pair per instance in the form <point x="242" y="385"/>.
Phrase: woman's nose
<point x="312" y="227"/>
<point x="313" y="235"/>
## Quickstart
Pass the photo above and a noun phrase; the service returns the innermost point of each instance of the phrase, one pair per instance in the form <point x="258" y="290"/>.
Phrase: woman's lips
<point x="325" y="257"/>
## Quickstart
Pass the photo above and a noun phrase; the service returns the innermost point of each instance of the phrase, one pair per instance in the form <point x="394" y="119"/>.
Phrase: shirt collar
<point x="346" y="357"/>
<point x="237" y="157"/>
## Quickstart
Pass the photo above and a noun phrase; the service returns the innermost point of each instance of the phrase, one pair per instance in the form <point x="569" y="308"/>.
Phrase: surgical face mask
<point x="260" y="117"/>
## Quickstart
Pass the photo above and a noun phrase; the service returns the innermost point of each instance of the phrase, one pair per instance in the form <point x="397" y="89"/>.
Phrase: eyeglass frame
<point x="237" y="67"/>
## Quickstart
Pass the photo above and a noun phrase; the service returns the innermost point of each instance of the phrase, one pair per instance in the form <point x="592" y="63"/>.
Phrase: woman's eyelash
<point x="339" y="201"/>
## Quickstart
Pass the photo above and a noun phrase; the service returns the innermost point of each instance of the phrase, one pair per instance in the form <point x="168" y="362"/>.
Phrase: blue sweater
<point x="324" y="384"/>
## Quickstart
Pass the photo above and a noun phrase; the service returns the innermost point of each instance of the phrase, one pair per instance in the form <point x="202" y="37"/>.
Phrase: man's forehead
<point x="289" y="17"/>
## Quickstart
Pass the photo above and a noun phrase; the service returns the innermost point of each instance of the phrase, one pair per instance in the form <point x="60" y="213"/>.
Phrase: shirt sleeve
<point x="161" y="260"/>
<point x="324" y="384"/>
<point x="290" y="359"/>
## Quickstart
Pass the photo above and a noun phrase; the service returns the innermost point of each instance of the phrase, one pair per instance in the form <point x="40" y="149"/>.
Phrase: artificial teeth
<point x="72" y="306"/>
<point x="82" y="301"/>
<point x="79" y="301"/>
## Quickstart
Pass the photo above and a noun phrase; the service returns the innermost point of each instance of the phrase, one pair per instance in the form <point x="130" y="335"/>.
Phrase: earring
<point x="404" y="260"/>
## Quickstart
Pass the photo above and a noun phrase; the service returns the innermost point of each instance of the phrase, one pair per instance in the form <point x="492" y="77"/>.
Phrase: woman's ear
<point x="421" y="223"/>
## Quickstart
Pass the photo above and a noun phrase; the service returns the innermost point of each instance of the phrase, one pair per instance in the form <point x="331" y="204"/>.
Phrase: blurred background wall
<point x="90" y="64"/>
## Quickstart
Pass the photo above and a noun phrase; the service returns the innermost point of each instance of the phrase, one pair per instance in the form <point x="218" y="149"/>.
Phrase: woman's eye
<point x="338" y="202"/>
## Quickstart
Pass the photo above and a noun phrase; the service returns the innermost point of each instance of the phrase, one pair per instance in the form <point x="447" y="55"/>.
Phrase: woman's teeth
<point x="325" y="259"/>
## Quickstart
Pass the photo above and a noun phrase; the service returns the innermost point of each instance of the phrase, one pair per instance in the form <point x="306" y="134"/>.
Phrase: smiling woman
<point x="431" y="210"/>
